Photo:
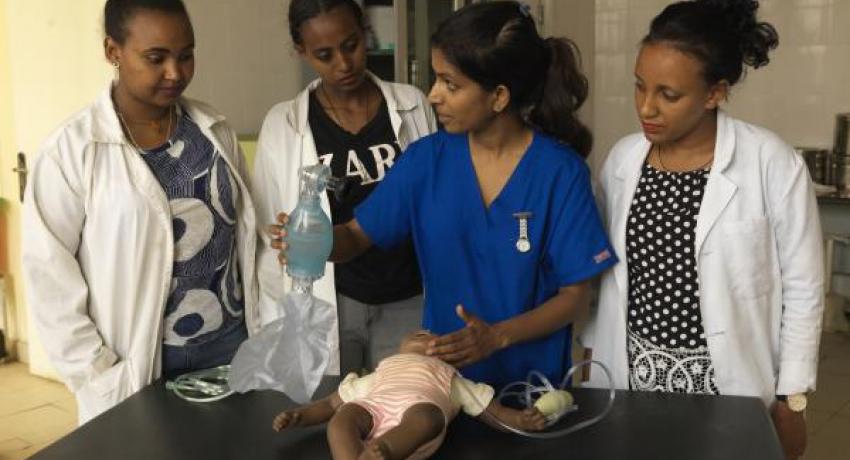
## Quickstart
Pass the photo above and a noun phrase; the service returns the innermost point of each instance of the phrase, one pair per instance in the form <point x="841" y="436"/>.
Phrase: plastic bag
<point x="289" y="354"/>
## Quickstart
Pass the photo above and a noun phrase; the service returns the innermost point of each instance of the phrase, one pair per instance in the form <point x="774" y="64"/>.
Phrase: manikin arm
<point x="526" y="419"/>
<point x="477" y="400"/>
<point x="309" y="414"/>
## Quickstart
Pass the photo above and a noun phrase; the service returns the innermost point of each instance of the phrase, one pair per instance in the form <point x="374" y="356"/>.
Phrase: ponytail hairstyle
<point x="301" y="11"/>
<point x="724" y="35"/>
<point x="117" y="13"/>
<point x="496" y="43"/>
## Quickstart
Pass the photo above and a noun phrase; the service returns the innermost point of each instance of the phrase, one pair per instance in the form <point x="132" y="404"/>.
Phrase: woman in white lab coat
<point x="721" y="282"/>
<point x="140" y="236"/>
<point x="358" y="125"/>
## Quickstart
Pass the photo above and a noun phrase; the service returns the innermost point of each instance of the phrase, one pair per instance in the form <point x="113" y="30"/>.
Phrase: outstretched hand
<point x="529" y="419"/>
<point x="286" y="419"/>
<point x="791" y="428"/>
<point x="475" y="342"/>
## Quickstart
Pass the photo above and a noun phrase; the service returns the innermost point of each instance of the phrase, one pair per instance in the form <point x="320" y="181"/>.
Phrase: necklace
<point x="151" y="123"/>
<point x="335" y="116"/>
<point x="665" y="168"/>
<point x="154" y="124"/>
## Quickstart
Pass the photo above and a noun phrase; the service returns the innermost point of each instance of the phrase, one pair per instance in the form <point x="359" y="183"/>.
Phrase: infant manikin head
<point x="416" y="342"/>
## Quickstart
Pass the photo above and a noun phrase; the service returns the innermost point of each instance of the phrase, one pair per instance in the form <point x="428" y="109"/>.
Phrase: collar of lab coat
<point x="718" y="190"/>
<point x="106" y="127"/>
<point x="397" y="101"/>
<point x="724" y="150"/>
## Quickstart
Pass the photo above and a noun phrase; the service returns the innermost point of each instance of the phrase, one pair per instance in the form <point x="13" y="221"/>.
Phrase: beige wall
<point x="50" y="67"/>
<point x="57" y="62"/>
<point x="244" y="57"/>
<point x="8" y="319"/>
<point x="796" y="95"/>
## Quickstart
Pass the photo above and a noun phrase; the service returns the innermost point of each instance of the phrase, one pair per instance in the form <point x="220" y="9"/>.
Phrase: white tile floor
<point x="35" y="412"/>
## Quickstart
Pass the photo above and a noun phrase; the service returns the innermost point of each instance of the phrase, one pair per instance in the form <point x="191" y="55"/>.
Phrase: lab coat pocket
<point x="106" y="389"/>
<point x="745" y="249"/>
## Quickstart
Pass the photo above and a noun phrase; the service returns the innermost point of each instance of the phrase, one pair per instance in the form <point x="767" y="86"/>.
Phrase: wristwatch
<point x="796" y="402"/>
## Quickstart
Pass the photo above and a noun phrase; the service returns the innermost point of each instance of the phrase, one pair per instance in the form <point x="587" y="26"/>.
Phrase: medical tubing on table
<point x="526" y="398"/>
<point x="211" y="382"/>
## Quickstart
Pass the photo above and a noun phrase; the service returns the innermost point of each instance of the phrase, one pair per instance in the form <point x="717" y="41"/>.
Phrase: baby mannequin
<point x="401" y="410"/>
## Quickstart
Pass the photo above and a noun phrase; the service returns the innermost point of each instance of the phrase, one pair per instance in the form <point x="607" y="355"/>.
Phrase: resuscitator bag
<point x="289" y="354"/>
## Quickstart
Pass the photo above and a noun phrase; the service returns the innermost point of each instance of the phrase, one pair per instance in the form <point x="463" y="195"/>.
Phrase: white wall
<point x="245" y="62"/>
<point x="574" y="19"/>
<point x="796" y="95"/>
<point x="620" y="24"/>
<point x="808" y="80"/>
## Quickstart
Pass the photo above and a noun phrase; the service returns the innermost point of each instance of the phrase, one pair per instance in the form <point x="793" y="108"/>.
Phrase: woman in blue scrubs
<point x="499" y="203"/>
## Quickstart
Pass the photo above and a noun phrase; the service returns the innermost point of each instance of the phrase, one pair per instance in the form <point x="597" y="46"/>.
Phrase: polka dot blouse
<point x="663" y="305"/>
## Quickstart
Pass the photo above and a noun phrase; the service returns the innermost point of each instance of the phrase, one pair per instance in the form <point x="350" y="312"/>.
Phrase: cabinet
<point x="399" y="35"/>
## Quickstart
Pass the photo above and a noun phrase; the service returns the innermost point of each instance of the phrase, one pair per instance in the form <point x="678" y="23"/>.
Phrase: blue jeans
<point x="179" y="360"/>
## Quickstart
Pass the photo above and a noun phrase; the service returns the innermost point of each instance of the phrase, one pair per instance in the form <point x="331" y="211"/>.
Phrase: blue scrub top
<point x="468" y="253"/>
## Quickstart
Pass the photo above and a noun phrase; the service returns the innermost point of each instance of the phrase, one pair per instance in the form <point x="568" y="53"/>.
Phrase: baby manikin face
<point x="416" y="342"/>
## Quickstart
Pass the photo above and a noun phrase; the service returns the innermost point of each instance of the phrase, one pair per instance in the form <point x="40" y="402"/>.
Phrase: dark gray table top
<point x="837" y="198"/>
<point x="156" y="424"/>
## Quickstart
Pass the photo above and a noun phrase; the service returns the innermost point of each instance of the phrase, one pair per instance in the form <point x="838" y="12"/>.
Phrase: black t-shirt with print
<point x="364" y="158"/>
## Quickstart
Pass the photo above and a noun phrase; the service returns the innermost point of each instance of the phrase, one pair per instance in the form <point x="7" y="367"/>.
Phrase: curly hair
<point x="724" y="35"/>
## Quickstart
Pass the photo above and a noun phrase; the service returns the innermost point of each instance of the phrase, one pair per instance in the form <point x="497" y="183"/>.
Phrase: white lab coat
<point x="98" y="250"/>
<point x="286" y="144"/>
<point x="759" y="262"/>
